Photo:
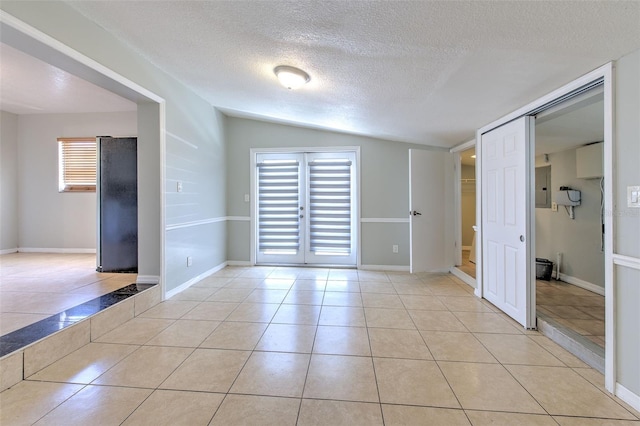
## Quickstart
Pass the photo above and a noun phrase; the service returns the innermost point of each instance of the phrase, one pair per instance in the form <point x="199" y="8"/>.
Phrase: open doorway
<point x="512" y="138"/>
<point x="49" y="260"/>
<point x="569" y="223"/>
<point x="467" y="215"/>
<point x="40" y="289"/>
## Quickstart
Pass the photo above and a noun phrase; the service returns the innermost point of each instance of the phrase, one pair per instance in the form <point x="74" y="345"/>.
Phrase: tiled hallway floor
<point x="467" y="266"/>
<point x="573" y="307"/>
<point x="284" y="346"/>
<point x="34" y="286"/>
<point x="579" y="310"/>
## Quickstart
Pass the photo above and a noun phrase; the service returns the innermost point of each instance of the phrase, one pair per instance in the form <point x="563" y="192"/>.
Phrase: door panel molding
<point x="506" y="219"/>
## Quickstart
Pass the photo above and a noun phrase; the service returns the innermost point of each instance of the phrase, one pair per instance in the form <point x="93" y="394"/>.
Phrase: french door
<point x="306" y="208"/>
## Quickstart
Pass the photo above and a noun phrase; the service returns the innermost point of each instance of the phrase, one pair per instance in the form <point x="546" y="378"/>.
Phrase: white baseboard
<point x="192" y="281"/>
<point x="148" y="279"/>
<point x="582" y="284"/>
<point x="392" y="268"/>
<point x="8" y="251"/>
<point x="468" y="279"/>
<point x="445" y="270"/>
<point x="238" y="263"/>
<point x="56" y="250"/>
<point x="627" y="396"/>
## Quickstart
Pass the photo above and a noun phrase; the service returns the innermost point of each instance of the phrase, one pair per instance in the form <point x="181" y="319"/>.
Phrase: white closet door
<point x="506" y="219"/>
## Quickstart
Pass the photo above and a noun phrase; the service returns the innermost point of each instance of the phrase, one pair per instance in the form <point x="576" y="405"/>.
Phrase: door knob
<point x="522" y="238"/>
<point x="416" y="213"/>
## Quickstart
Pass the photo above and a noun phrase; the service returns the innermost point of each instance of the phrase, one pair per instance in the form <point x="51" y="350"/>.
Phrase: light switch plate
<point x="246" y="198"/>
<point x="633" y="196"/>
<point x="179" y="186"/>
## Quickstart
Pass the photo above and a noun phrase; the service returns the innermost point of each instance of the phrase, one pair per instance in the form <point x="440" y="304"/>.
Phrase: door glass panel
<point x="332" y="215"/>
<point x="278" y="202"/>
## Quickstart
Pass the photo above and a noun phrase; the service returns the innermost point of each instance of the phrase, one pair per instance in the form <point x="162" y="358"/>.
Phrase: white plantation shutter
<point x="77" y="164"/>
<point x="278" y="206"/>
<point x="330" y="206"/>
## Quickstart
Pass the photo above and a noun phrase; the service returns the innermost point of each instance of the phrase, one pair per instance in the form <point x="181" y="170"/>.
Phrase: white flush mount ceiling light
<point x="291" y="77"/>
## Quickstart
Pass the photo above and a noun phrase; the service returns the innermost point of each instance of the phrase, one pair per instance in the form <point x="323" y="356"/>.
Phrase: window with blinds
<point x="330" y="207"/>
<point x="278" y="206"/>
<point x="77" y="164"/>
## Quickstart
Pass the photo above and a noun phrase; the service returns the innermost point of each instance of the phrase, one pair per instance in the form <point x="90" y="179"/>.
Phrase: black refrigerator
<point x="117" y="209"/>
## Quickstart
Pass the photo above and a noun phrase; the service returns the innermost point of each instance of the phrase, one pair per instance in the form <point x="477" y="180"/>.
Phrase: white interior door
<point x="306" y="209"/>
<point x="430" y="210"/>
<point x="506" y="219"/>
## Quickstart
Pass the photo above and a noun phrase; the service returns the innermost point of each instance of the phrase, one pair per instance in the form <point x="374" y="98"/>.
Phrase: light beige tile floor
<point x="34" y="286"/>
<point x="356" y="357"/>
<point x="573" y="307"/>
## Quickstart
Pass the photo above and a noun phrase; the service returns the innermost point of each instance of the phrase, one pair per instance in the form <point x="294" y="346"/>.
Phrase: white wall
<point x="468" y="204"/>
<point x="384" y="184"/>
<point x="627" y="221"/>
<point x="579" y="240"/>
<point x="189" y="121"/>
<point x="8" y="181"/>
<point x="50" y="219"/>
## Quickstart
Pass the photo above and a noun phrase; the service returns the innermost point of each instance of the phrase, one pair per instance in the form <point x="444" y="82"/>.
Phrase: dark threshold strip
<point x="18" y="339"/>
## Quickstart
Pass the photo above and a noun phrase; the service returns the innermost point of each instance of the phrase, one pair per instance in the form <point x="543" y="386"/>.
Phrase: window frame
<point x="63" y="182"/>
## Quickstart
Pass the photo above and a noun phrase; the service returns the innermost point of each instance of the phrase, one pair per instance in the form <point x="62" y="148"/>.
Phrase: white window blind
<point x="330" y="206"/>
<point x="279" y="206"/>
<point x="77" y="164"/>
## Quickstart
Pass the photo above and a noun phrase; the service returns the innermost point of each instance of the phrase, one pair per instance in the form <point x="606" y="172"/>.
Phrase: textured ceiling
<point x="427" y="72"/>
<point x="30" y="86"/>
<point x="571" y="127"/>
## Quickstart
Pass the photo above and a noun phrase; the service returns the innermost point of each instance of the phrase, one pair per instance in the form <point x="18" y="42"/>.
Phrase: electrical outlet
<point x="395" y="248"/>
<point x="633" y="196"/>
<point x="179" y="186"/>
<point x="554" y="206"/>
<point x="189" y="261"/>
<point x="246" y="198"/>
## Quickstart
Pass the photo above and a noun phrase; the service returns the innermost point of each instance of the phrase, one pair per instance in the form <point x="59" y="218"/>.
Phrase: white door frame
<point x="252" y="182"/>
<point x="605" y="73"/>
<point x="44" y="47"/>
<point x="457" y="206"/>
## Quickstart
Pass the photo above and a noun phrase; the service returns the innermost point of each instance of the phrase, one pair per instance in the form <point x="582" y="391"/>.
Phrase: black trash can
<point x="544" y="267"/>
